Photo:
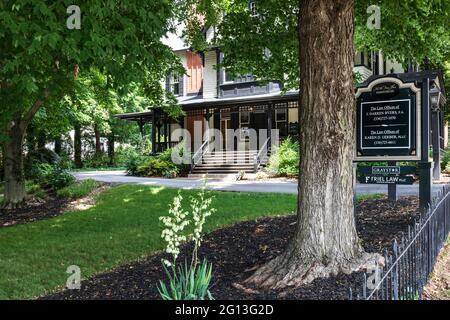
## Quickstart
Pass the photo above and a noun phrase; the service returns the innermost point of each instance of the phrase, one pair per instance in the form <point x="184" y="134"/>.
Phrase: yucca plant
<point x="189" y="283"/>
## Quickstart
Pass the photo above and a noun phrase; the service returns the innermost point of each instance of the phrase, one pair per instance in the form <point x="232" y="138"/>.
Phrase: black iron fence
<point x="413" y="257"/>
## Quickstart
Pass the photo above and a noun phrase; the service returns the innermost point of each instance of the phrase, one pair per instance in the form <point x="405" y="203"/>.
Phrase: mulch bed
<point x="236" y="250"/>
<point x="41" y="209"/>
<point x="35" y="209"/>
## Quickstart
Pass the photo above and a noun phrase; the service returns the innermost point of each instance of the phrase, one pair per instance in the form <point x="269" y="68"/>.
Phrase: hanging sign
<point x="388" y="121"/>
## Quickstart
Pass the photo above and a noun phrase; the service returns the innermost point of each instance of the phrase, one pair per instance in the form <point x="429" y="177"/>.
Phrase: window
<point x="244" y="124"/>
<point x="227" y="77"/>
<point x="252" y="8"/>
<point x="281" y="121"/>
<point x="175" y="80"/>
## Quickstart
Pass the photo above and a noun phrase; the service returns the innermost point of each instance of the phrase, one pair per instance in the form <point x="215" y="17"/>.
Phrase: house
<point x="213" y="99"/>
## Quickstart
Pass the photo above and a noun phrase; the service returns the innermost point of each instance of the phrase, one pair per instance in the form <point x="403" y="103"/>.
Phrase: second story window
<point x="228" y="77"/>
<point x="175" y="86"/>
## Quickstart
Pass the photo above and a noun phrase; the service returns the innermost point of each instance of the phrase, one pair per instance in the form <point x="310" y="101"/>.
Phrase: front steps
<point x="227" y="163"/>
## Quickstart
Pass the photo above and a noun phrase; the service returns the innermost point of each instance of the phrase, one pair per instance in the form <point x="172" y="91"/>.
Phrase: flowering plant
<point x="188" y="281"/>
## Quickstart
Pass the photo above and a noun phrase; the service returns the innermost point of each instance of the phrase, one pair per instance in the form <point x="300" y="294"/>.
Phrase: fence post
<point x="395" y="270"/>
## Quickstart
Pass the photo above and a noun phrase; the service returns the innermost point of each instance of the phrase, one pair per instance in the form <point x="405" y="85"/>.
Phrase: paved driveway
<point x="273" y="185"/>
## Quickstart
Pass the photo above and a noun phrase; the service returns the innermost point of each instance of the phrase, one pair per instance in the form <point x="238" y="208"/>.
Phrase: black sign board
<point x="387" y="170"/>
<point x="387" y="121"/>
<point x="392" y="179"/>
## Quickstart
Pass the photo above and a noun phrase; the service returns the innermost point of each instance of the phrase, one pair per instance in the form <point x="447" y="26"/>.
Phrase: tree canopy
<point x="41" y="56"/>
<point x="265" y="42"/>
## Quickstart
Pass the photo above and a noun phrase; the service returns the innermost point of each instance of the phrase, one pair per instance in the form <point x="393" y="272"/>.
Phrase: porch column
<point x="269" y="122"/>
<point x="436" y="142"/>
<point x="166" y="138"/>
<point x="154" y="132"/>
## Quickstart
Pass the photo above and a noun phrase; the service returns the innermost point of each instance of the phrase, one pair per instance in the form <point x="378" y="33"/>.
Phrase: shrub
<point x="78" y="190"/>
<point x="133" y="162"/>
<point x="38" y="157"/>
<point x="284" y="161"/>
<point x="54" y="176"/>
<point x="445" y="159"/>
<point x="97" y="161"/>
<point x="157" y="167"/>
<point x="33" y="189"/>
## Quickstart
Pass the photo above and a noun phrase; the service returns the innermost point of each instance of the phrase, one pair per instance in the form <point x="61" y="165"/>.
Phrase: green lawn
<point x="123" y="227"/>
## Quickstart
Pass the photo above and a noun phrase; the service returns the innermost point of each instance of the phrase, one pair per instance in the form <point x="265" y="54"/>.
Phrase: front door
<point x="259" y="121"/>
<point x="225" y="124"/>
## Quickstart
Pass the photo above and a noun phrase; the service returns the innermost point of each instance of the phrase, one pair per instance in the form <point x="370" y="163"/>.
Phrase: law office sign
<point x="388" y="121"/>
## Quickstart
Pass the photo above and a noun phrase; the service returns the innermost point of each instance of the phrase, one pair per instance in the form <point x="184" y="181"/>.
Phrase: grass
<point x="78" y="190"/>
<point x="121" y="228"/>
<point x="372" y="196"/>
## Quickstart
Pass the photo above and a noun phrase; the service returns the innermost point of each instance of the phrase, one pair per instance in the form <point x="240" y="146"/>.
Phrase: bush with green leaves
<point x="78" y="190"/>
<point x="54" y="176"/>
<point x="160" y="165"/>
<point x="97" y="161"/>
<point x="284" y="161"/>
<point x="190" y="281"/>
<point x="445" y="159"/>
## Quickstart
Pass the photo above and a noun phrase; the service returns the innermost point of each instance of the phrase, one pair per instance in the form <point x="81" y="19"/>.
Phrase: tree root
<point x="287" y="271"/>
<point x="8" y="206"/>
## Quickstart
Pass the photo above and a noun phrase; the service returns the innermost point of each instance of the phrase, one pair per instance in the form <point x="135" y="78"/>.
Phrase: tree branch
<point x="28" y="117"/>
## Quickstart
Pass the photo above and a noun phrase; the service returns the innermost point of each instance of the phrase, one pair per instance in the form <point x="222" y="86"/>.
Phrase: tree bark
<point x="13" y="166"/>
<point x="98" y="146"/>
<point x="111" y="148"/>
<point x="325" y="241"/>
<point x="58" y="145"/>
<point x="77" y="146"/>
<point x="13" y="155"/>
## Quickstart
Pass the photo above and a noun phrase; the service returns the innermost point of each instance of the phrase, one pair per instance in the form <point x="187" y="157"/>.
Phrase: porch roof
<point x="198" y="102"/>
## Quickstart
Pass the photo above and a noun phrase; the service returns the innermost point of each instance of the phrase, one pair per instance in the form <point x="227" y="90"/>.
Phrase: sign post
<point x="392" y="188"/>
<point x="425" y="183"/>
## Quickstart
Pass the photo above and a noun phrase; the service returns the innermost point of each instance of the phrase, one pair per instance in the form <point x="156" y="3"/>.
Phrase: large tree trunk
<point x="13" y="167"/>
<point x="325" y="240"/>
<point x="77" y="146"/>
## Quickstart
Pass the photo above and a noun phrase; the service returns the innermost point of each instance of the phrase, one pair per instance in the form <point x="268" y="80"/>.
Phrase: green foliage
<point x="54" y="176"/>
<point x="97" y="161"/>
<point x="35" y="190"/>
<point x="267" y="44"/>
<point x="445" y="159"/>
<point x="190" y="283"/>
<point x="186" y="282"/>
<point x="34" y="159"/>
<point x="160" y="165"/>
<point x="78" y="190"/>
<point x="157" y="167"/>
<point x="285" y="159"/>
